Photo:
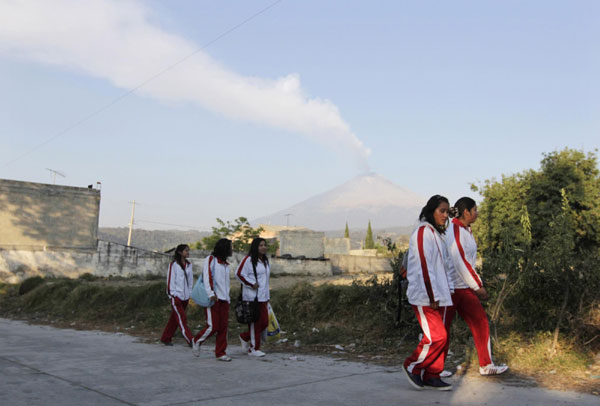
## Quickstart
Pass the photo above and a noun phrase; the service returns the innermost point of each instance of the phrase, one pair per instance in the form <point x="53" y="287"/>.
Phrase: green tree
<point x="347" y="231"/>
<point x="239" y="231"/>
<point x="539" y="238"/>
<point x="369" y="242"/>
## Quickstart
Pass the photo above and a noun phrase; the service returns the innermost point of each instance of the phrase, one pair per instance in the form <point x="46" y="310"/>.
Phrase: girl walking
<point x="468" y="286"/>
<point x="180" y="280"/>
<point x="217" y="284"/>
<point x="429" y="293"/>
<point x="254" y="272"/>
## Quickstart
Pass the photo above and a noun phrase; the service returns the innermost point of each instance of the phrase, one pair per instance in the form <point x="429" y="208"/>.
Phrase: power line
<point x="127" y="93"/>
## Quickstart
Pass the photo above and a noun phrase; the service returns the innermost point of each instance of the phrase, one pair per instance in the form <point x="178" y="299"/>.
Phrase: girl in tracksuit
<point x="468" y="287"/>
<point x="217" y="283"/>
<point x="255" y="287"/>
<point x="429" y="293"/>
<point x="180" y="280"/>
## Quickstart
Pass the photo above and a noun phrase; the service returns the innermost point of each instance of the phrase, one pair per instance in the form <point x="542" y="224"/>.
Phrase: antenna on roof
<point x="54" y="173"/>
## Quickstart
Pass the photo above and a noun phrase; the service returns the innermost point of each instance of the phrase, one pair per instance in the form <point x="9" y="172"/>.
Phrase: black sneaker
<point x="414" y="380"/>
<point x="437" y="384"/>
<point x="167" y="343"/>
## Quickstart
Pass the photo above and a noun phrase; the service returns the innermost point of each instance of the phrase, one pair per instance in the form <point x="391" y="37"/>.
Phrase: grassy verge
<point x="356" y="321"/>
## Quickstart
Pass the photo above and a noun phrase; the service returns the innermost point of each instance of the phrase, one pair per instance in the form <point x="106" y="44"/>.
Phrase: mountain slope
<point x="366" y="197"/>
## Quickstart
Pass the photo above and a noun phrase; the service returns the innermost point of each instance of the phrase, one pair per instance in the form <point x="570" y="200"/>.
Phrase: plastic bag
<point x="199" y="295"/>
<point x="273" y="330"/>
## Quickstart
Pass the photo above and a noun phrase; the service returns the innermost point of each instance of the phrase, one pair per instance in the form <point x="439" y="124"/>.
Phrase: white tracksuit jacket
<point x="426" y="272"/>
<point x="462" y="250"/>
<point x="246" y="275"/>
<point x="180" y="281"/>
<point x="216" y="278"/>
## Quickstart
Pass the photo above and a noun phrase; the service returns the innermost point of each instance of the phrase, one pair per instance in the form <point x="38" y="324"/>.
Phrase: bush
<point x="30" y="284"/>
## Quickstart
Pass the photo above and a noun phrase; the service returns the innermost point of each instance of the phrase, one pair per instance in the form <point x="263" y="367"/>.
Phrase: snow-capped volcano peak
<point x="363" y="198"/>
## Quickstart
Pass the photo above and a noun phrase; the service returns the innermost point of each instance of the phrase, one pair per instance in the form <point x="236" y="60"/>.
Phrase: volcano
<point x="368" y="197"/>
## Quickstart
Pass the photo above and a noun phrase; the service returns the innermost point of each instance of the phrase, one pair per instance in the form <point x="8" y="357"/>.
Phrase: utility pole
<point x="288" y="219"/>
<point x="131" y="223"/>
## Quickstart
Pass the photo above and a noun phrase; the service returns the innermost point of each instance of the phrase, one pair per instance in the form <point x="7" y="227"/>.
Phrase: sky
<point x="206" y="109"/>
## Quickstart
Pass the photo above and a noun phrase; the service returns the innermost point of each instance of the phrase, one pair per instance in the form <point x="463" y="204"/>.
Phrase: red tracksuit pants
<point x="217" y="320"/>
<point x="177" y="319"/>
<point x="428" y="357"/>
<point x="255" y="329"/>
<point x="469" y="308"/>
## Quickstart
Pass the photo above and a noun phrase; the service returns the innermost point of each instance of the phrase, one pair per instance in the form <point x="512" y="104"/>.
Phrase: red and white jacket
<point x="216" y="278"/>
<point x="180" y="281"/>
<point x="462" y="249"/>
<point x="426" y="272"/>
<point x="246" y="275"/>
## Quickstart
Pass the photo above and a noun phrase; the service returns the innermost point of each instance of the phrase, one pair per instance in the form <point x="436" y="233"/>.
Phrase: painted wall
<point x="37" y="216"/>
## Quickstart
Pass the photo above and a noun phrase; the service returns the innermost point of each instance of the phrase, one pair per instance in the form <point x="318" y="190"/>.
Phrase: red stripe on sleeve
<point x="424" y="264"/>
<point x="210" y="277"/>
<point x="239" y="271"/>
<point x="464" y="259"/>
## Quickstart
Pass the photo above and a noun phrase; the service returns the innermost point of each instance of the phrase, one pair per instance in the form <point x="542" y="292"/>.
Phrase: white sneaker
<point x="196" y="348"/>
<point x="493" y="369"/>
<point x="446" y="374"/>
<point x="256" y="353"/>
<point x="225" y="358"/>
<point x="245" y="345"/>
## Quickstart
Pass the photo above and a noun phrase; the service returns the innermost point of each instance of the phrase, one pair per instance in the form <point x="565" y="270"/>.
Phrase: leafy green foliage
<point x="239" y="231"/>
<point x="539" y="237"/>
<point x="30" y="284"/>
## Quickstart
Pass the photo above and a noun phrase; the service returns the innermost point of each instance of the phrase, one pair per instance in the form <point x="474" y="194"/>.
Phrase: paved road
<point x="41" y="365"/>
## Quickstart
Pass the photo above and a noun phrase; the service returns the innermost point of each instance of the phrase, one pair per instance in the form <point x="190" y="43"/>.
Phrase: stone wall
<point x="304" y="243"/>
<point x="339" y="246"/>
<point x="37" y="216"/>
<point x="109" y="259"/>
<point x="357" y="264"/>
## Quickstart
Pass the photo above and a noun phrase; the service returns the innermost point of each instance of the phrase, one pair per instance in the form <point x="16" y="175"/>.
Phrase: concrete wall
<point x="279" y="266"/>
<point x="358" y="264"/>
<point x="305" y="243"/>
<point x="339" y="246"/>
<point x="364" y="253"/>
<point x="109" y="259"/>
<point x="37" y="216"/>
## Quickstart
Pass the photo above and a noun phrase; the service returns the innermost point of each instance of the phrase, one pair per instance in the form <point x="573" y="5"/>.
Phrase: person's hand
<point x="255" y="286"/>
<point x="435" y="305"/>
<point x="213" y="298"/>
<point x="482" y="294"/>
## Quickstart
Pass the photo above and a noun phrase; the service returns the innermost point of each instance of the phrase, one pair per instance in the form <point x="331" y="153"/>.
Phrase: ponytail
<point x="462" y="204"/>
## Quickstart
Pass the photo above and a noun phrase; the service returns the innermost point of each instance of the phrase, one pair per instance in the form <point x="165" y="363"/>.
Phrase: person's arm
<point x="177" y="280"/>
<point x="207" y="277"/>
<point x="463" y="268"/>
<point x="245" y="273"/>
<point x="425" y="249"/>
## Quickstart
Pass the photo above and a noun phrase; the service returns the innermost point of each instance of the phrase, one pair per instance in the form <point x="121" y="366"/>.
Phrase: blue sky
<point x="438" y="94"/>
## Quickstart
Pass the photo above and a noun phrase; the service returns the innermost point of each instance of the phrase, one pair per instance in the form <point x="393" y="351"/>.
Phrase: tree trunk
<point x="560" y="317"/>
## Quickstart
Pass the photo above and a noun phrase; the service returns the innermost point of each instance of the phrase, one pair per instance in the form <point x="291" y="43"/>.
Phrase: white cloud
<point x="114" y="40"/>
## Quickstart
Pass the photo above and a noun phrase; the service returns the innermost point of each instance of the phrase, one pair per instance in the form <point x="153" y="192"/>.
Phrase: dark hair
<point x="254" y="255"/>
<point x="427" y="211"/>
<point x="177" y="255"/>
<point x="462" y="204"/>
<point x="222" y="249"/>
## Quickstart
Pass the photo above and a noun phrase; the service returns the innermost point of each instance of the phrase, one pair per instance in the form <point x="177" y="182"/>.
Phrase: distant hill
<point x="366" y="197"/>
<point x="153" y="240"/>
